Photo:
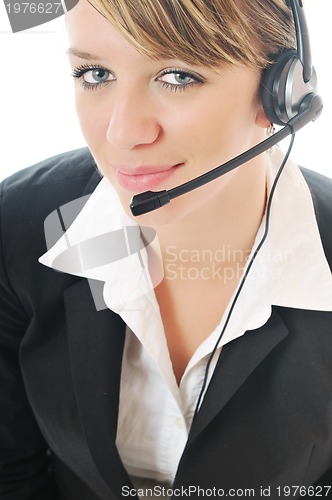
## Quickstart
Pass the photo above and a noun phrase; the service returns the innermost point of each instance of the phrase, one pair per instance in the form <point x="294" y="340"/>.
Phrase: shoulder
<point x="29" y="196"/>
<point x="72" y="165"/>
<point x="320" y="187"/>
<point x="36" y="191"/>
<point x="321" y="191"/>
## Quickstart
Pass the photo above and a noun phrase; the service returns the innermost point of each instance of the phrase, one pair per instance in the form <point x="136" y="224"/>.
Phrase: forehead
<point x="152" y="36"/>
<point x="84" y="18"/>
<point x="90" y="35"/>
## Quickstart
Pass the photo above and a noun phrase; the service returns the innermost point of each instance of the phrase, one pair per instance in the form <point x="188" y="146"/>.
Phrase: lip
<point x="143" y="178"/>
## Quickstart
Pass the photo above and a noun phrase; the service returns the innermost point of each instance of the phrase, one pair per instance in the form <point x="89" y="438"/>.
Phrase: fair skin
<point x="151" y="129"/>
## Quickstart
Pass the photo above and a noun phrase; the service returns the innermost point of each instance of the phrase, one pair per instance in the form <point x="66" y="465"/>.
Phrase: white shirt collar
<point x="290" y="270"/>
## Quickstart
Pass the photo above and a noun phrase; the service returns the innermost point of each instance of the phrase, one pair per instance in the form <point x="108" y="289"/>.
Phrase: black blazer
<point x="266" y="420"/>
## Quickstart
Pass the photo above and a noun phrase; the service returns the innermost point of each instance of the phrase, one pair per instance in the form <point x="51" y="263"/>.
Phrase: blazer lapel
<point x="96" y="340"/>
<point x="237" y="361"/>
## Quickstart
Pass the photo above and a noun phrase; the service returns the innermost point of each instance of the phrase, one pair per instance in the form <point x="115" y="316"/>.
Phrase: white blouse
<point x="155" y="413"/>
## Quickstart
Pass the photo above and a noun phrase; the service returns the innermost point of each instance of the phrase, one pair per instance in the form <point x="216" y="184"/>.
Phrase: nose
<point x="133" y="121"/>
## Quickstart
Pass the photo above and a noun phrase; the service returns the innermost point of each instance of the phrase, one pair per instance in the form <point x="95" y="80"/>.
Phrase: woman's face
<point x="152" y="125"/>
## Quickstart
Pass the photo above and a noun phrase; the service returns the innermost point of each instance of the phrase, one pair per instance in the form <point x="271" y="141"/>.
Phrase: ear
<point x="261" y="119"/>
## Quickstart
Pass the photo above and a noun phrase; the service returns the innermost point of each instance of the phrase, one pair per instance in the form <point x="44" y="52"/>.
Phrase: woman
<point x="196" y="358"/>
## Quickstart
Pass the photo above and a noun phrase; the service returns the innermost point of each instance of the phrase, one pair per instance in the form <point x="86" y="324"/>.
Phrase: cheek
<point x="218" y="129"/>
<point x="92" y="118"/>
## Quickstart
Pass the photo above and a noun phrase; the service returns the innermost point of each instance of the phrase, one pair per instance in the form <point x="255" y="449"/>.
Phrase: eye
<point x="176" y="79"/>
<point x="98" y="75"/>
<point x="92" y="77"/>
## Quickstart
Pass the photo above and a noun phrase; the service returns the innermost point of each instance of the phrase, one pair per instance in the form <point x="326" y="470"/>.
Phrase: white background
<point x="37" y="114"/>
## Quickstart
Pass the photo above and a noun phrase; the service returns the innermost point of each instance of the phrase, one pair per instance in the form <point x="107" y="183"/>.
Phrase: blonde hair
<point x="204" y="32"/>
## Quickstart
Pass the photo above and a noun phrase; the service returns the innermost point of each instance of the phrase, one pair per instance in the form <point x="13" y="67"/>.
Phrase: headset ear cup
<point x="273" y="86"/>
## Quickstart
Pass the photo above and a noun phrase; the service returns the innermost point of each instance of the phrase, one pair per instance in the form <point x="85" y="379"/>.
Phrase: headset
<point x="292" y="77"/>
<point x="288" y="93"/>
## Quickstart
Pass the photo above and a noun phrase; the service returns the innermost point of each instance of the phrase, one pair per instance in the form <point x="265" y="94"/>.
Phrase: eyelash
<point x="79" y="72"/>
<point x="181" y="88"/>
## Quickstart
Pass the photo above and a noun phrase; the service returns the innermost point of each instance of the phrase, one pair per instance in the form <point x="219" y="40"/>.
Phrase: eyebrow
<point x="82" y="55"/>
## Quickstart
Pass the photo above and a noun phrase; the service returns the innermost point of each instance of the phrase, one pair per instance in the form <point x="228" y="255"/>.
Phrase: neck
<point x="222" y="229"/>
<point x="203" y="258"/>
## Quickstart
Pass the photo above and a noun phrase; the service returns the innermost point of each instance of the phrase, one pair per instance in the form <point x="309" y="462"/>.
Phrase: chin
<point x="174" y="212"/>
<point x="160" y="217"/>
